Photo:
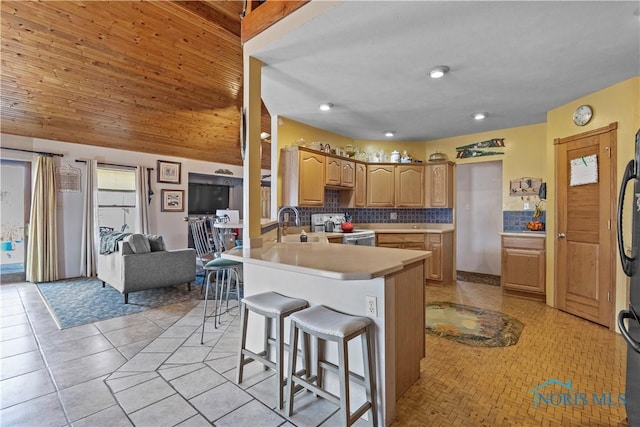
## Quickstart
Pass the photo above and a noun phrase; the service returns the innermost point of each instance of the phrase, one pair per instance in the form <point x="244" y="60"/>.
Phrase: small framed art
<point x="168" y="172"/>
<point x="172" y="200"/>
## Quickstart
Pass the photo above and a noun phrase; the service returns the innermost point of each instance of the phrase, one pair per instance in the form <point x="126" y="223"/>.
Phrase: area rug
<point x="83" y="300"/>
<point x="471" y="325"/>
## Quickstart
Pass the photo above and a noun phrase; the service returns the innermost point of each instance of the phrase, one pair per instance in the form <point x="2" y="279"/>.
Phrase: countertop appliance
<point x="355" y="237"/>
<point x="631" y="267"/>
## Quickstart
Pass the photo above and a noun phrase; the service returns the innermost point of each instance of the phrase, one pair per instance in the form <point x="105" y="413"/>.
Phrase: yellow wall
<point x="290" y="131"/>
<point x="416" y="149"/>
<point x="524" y="155"/>
<point x="618" y="103"/>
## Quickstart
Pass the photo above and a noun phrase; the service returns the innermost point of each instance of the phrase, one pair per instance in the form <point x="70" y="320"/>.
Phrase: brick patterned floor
<point x="474" y="386"/>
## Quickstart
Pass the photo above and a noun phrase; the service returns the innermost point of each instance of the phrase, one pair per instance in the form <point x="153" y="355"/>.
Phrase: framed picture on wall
<point x="168" y="172"/>
<point x="172" y="200"/>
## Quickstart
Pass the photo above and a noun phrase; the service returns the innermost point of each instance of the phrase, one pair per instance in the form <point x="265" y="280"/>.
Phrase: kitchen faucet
<point x="280" y="211"/>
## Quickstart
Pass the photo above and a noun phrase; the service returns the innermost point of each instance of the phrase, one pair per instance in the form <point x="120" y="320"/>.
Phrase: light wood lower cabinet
<point x="401" y="240"/>
<point x="439" y="267"/>
<point x="523" y="266"/>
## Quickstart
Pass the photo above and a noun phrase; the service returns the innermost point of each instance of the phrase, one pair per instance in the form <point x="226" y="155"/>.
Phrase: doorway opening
<point x="15" y="206"/>
<point x="479" y="221"/>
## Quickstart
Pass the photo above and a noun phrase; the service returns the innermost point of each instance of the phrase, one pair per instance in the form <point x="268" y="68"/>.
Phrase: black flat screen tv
<point x="205" y="199"/>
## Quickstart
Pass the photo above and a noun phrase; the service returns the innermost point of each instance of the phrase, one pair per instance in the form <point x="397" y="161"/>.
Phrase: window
<point x="117" y="198"/>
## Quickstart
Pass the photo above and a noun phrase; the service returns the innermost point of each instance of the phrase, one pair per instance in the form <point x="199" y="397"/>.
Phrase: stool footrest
<point x="315" y="389"/>
<point x="258" y="357"/>
<point x="359" y="379"/>
<point x="360" y="412"/>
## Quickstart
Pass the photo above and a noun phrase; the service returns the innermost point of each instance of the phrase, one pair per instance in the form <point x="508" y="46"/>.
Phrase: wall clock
<point x="582" y="115"/>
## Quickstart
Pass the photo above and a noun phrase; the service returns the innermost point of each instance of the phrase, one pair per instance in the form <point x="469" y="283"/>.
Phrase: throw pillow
<point x="156" y="242"/>
<point x="139" y="243"/>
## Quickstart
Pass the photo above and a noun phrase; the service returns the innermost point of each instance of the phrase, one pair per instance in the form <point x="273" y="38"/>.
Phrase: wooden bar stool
<point x="328" y="325"/>
<point x="272" y="306"/>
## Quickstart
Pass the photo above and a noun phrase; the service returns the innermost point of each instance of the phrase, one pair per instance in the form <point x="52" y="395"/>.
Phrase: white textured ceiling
<point x="514" y="60"/>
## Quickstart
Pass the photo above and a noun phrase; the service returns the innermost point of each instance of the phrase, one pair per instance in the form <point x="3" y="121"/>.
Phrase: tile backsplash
<point x="514" y="221"/>
<point x="376" y="215"/>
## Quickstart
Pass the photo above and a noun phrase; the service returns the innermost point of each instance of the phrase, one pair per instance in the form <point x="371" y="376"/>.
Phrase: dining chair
<point x="221" y="243"/>
<point x="220" y="273"/>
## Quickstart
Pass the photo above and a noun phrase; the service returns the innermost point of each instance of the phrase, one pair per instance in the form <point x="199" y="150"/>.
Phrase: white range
<point x="332" y="222"/>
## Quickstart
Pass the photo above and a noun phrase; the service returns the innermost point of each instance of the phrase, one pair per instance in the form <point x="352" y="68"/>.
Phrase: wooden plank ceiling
<point x="159" y="77"/>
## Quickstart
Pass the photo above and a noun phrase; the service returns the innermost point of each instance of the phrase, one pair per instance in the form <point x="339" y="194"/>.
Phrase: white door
<point x="15" y="204"/>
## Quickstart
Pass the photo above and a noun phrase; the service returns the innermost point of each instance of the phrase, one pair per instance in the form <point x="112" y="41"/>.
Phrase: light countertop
<point x="414" y="230"/>
<point x="386" y="228"/>
<point x="340" y="262"/>
<point x="263" y="223"/>
<point x="539" y="234"/>
<point x="415" y="227"/>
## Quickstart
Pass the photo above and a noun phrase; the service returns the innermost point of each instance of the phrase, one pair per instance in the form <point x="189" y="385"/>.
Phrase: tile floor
<point x="149" y="369"/>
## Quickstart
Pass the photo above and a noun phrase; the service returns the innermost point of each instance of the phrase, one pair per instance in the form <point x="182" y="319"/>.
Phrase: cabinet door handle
<point x="560" y="235"/>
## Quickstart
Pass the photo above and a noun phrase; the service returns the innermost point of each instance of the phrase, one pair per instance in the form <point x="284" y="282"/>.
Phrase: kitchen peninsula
<point x="344" y="278"/>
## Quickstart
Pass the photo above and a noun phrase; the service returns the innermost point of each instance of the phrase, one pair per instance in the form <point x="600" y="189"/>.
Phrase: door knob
<point x="560" y="235"/>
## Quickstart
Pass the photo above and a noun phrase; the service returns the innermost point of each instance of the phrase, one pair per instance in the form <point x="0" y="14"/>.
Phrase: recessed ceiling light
<point x="480" y="116"/>
<point x="438" y="71"/>
<point x="326" y="106"/>
<point x="389" y="133"/>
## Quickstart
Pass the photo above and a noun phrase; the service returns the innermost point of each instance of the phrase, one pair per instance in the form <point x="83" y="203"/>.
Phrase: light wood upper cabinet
<point x="439" y="183"/>
<point x="302" y="174"/>
<point x="360" y="196"/>
<point x="410" y="183"/>
<point x="348" y="174"/>
<point x="357" y="197"/>
<point x="306" y="173"/>
<point x="380" y="185"/>
<point x="339" y="173"/>
<point x="399" y="186"/>
<point x="333" y="172"/>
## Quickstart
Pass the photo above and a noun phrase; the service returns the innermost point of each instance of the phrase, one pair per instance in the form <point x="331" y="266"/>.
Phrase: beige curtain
<point x="42" y="251"/>
<point x="142" y="199"/>
<point x="90" y="235"/>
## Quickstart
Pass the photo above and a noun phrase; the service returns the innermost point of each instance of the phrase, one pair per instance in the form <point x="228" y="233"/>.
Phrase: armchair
<point x="135" y="266"/>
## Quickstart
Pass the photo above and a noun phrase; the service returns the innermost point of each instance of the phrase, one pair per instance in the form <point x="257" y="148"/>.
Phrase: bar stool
<point x="219" y="275"/>
<point x="328" y="325"/>
<point x="272" y="306"/>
